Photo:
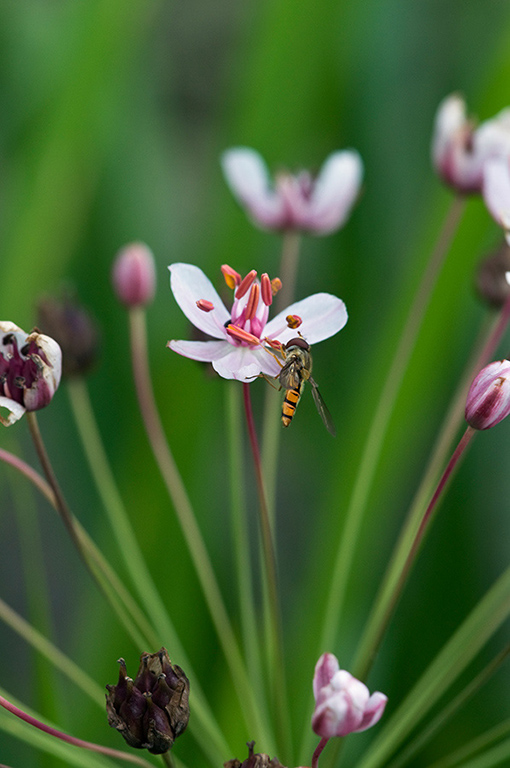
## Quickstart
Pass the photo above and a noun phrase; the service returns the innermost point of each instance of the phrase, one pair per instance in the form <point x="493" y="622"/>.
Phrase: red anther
<point x="253" y="301"/>
<point x="274" y="344"/>
<point x="232" y="278"/>
<point x="205" y="306"/>
<point x="266" y="290"/>
<point x="245" y="284"/>
<point x="276" y="285"/>
<point x="242" y="335"/>
<point x="293" y="321"/>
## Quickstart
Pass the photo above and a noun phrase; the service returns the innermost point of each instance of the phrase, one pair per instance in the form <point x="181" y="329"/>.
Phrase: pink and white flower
<point x="460" y="150"/>
<point x="488" y="399"/>
<point x="343" y="704"/>
<point x="496" y="191"/>
<point x="30" y="369"/>
<point x="300" y="202"/>
<point x="243" y="335"/>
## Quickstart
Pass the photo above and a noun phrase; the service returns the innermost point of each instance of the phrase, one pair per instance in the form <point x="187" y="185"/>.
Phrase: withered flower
<point x="69" y="323"/>
<point x="30" y="369"/>
<point x="151" y="710"/>
<point x="254" y="760"/>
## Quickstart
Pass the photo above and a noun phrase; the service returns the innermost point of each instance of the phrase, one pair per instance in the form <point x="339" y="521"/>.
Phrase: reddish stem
<point x="70" y="739"/>
<point x="320" y="746"/>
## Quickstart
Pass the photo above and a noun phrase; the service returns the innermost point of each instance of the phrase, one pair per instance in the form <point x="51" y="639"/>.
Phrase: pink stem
<point x="30" y="473"/>
<point x="71" y="739"/>
<point x="320" y="746"/>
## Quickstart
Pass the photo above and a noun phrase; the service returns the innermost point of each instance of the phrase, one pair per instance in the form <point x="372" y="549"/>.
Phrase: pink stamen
<point x="232" y="278"/>
<point x="276" y="285"/>
<point x="265" y="289"/>
<point x="205" y="306"/>
<point x="241" y="335"/>
<point x="245" y="284"/>
<point x="293" y="321"/>
<point x="253" y="301"/>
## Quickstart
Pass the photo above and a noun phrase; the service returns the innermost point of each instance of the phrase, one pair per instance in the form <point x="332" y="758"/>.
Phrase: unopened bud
<point x="492" y="277"/>
<point x="30" y="369"/>
<point x="151" y="710"/>
<point x="134" y="275"/>
<point x="488" y="400"/>
<point x="75" y="331"/>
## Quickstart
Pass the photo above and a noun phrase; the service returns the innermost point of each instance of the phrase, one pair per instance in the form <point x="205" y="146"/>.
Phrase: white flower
<point x="343" y="704"/>
<point x="460" y="150"/>
<point x="496" y="191"/>
<point x="30" y="369"/>
<point x="238" y="350"/>
<point x="295" y="202"/>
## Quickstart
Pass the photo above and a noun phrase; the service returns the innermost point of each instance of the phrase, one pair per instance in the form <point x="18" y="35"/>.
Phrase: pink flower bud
<point x="343" y="704"/>
<point x="488" y="400"/>
<point x="134" y="275"/>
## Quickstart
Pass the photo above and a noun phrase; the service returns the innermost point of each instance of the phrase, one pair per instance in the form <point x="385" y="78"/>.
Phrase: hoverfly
<point x="295" y="371"/>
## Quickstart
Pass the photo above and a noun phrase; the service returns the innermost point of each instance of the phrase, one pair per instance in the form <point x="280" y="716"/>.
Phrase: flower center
<point x="20" y="367"/>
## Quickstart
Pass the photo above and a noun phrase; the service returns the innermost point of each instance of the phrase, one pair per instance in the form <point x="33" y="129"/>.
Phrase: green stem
<point x="255" y="718"/>
<point x="276" y="652"/>
<point x="133" y="558"/>
<point x="126" y="756"/>
<point x="289" y="263"/>
<point x="485" y="350"/>
<point x="378" y="427"/>
<point x="272" y="428"/>
<point x="47" y="649"/>
<point x="389" y="599"/>
<point x="242" y="550"/>
<point x="450" y="709"/>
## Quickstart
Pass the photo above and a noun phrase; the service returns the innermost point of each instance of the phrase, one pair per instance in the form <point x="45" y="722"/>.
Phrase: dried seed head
<point x="151" y="710"/>
<point x="254" y="760"/>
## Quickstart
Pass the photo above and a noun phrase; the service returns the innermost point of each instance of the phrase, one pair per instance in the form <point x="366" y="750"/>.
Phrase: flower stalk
<point x="276" y="655"/>
<point x="128" y="757"/>
<point x="187" y="520"/>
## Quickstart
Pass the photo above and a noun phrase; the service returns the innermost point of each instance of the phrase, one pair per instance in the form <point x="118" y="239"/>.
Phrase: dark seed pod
<point x="151" y="710"/>
<point x="254" y="760"/>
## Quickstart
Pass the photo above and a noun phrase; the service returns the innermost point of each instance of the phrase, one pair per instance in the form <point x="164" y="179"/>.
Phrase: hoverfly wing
<point x="322" y="408"/>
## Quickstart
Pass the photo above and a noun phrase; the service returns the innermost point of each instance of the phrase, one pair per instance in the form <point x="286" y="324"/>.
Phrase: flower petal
<point x="373" y="711"/>
<point x="16" y="411"/>
<point x="205" y="351"/>
<point x="450" y="118"/>
<point x="248" y="178"/>
<point x="325" y="668"/>
<point x="335" y="191"/>
<point x="189" y="285"/>
<point x="246" y="363"/>
<point x="322" y="314"/>
<point x="496" y="190"/>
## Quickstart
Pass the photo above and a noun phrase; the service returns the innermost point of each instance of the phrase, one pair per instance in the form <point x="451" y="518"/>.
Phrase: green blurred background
<point x="113" y="114"/>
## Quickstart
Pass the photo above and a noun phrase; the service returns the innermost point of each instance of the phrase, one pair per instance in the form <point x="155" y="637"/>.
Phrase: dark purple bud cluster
<point x="254" y="760"/>
<point x="151" y="710"/>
